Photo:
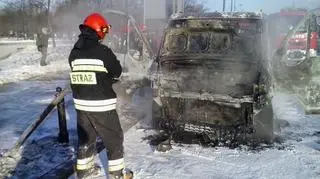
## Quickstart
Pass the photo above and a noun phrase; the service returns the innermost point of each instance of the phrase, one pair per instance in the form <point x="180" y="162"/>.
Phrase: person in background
<point x="94" y="68"/>
<point x="42" y="44"/>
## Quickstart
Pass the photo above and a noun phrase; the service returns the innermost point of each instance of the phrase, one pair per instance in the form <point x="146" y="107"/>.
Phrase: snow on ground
<point x="23" y="41"/>
<point x="42" y="153"/>
<point x="26" y="89"/>
<point x="25" y="64"/>
<point x="298" y="157"/>
<point x="21" y="104"/>
<point x="7" y="50"/>
<point x="5" y="40"/>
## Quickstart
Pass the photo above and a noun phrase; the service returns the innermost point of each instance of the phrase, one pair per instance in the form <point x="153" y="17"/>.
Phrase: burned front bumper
<point x="205" y="109"/>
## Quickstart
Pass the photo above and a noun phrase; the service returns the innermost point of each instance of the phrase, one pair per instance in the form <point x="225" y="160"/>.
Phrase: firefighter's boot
<point x="121" y="174"/>
<point x="89" y="173"/>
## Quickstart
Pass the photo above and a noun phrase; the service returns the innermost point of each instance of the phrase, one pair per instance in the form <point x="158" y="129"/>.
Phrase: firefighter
<point x="42" y="44"/>
<point x="94" y="68"/>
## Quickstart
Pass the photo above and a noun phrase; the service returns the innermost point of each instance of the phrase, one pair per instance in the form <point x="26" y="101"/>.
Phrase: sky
<point x="267" y="6"/>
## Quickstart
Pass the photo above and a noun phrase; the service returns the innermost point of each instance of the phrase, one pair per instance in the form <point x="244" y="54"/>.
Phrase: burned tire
<point x="263" y="124"/>
<point x="156" y="115"/>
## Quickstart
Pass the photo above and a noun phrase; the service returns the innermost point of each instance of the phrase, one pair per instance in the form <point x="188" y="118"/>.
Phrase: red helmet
<point x="98" y="23"/>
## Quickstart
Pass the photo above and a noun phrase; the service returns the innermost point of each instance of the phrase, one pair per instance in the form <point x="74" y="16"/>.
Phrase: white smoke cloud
<point x="268" y="6"/>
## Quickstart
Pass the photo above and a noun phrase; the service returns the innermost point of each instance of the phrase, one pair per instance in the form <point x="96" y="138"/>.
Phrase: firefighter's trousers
<point x="107" y="126"/>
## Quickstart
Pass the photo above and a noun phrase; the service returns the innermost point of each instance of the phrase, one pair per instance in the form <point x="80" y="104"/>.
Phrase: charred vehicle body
<point x="211" y="78"/>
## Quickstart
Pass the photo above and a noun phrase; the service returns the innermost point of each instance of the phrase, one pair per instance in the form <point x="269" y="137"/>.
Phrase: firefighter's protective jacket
<point x="93" y="69"/>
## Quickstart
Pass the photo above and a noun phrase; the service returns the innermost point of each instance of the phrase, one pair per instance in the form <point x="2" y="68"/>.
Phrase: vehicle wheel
<point x="156" y="114"/>
<point x="264" y="123"/>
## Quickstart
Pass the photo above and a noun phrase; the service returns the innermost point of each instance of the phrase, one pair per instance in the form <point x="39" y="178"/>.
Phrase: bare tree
<point x="195" y="7"/>
<point x="23" y="16"/>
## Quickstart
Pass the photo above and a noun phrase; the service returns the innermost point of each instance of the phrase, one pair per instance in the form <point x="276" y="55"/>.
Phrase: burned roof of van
<point x="235" y="15"/>
<point x="215" y="20"/>
<point x="215" y="34"/>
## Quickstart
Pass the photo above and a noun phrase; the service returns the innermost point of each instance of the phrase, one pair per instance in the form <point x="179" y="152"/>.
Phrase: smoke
<point x="68" y="17"/>
<point x="268" y="6"/>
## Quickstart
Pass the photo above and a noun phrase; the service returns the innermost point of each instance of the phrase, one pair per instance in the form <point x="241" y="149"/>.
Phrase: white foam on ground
<point x="25" y="64"/>
<point x="301" y="159"/>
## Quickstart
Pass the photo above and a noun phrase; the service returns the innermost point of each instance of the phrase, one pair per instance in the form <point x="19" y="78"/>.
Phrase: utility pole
<point x="224" y="5"/>
<point x="232" y="6"/>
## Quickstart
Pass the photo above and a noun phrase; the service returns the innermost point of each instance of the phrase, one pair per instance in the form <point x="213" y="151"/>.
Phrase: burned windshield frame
<point x="207" y="35"/>
<point x="220" y="42"/>
<point x="176" y="43"/>
<point x="199" y="41"/>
